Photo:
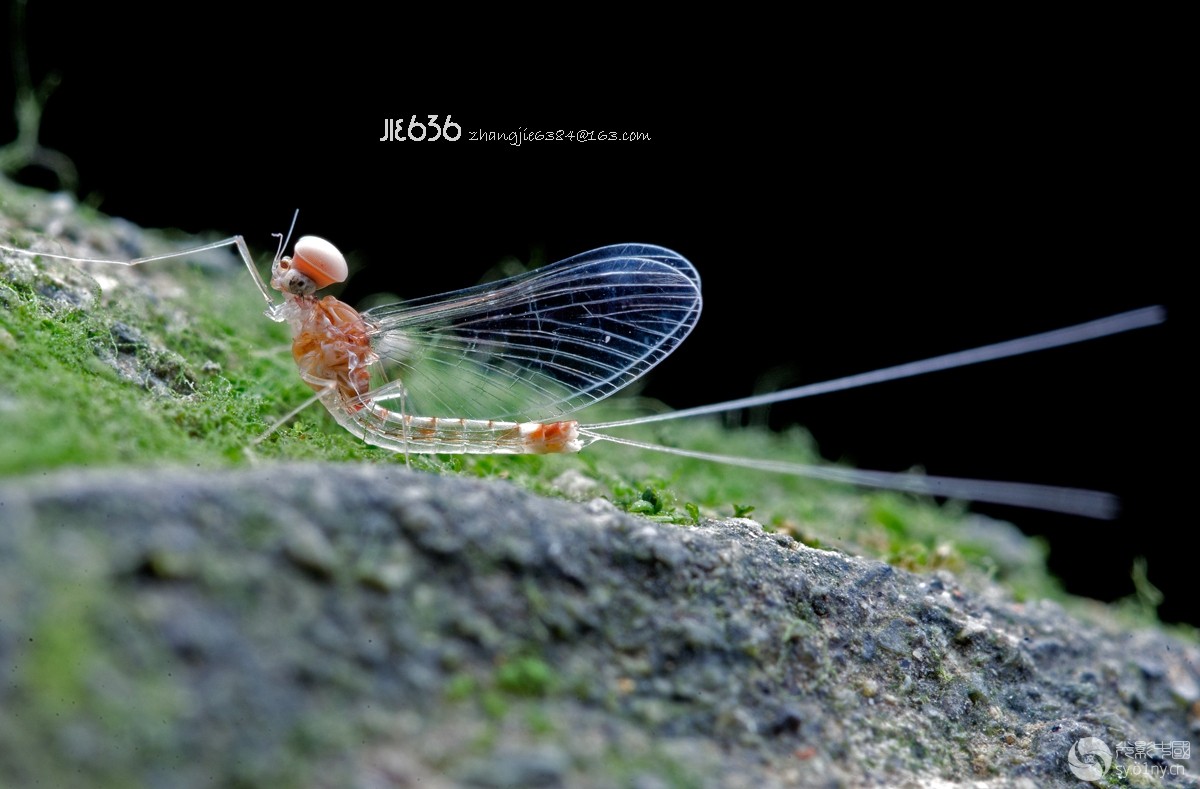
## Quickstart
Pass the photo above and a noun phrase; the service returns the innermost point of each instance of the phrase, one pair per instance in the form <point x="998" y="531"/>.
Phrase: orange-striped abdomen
<point x="417" y="434"/>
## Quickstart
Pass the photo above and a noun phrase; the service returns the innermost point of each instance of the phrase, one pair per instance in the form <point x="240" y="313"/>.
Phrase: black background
<point x="849" y="206"/>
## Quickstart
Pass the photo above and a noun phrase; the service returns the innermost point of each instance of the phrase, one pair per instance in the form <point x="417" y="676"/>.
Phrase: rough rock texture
<point x="334" y="625"/>
<point x="358" y="625"/>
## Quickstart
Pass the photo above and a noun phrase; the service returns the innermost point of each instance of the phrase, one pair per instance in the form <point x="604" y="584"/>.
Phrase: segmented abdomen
<point x="424" y="434"/>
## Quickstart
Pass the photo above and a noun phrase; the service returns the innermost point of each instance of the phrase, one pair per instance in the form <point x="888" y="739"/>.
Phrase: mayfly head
<point x="315" y="264"/>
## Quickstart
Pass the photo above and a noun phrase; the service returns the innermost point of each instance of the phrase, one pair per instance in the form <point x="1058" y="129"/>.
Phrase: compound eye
<point x="299" y="285"/>
<point x="319" y="260"/>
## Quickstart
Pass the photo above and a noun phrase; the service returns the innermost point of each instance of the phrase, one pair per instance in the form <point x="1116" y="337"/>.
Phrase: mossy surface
<point x="305" y="611"/>
<point x="173" y="362"/>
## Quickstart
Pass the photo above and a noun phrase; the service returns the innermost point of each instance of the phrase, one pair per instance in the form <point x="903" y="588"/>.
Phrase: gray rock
<point x="174" y="628"/>
<point x="334" y="625"/>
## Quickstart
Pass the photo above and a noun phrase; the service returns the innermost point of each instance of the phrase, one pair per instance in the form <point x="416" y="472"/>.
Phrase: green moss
<point x="494" y="705"/>
<point x="60" y="648"/>
<point x="633" y="769"/>
<point x="72" y="677"/>
<point x="526" y="676"/>
<point x="460" y="687"/>
<point x="215" y="374"/>
<point x="539" y="722"/>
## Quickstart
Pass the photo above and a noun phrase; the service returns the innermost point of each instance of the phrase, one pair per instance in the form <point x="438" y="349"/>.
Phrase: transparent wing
<point x="539" y="345"/>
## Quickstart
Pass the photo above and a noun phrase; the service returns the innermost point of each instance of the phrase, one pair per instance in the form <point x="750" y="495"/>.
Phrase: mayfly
<point x="502" y="367"/>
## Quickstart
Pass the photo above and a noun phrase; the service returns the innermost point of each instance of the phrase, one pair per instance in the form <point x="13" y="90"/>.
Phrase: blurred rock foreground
<point x="364" y="625"/>
<point x="358" y="625"/>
